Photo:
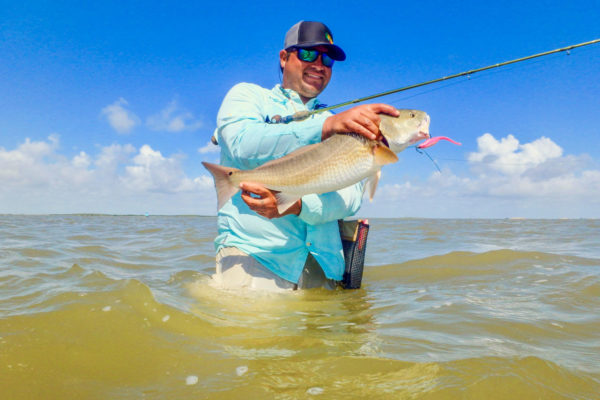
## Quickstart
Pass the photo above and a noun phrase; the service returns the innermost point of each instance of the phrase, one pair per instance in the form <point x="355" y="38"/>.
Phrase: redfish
<point x="335" y="163"/>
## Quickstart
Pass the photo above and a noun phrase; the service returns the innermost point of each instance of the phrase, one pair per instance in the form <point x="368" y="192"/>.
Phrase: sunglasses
<point x="311" y="55"/>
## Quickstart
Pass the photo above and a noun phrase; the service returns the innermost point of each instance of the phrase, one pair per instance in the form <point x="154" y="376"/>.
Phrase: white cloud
<point x="36" y="178"/>
<point x="536" y="169"/>
<point x="112" y="156"/>
<point x="81" y="161"/>
<point x="508" y="156"/>
<point x="173" y="118"/>
<point x="208" y="148"/>
<point x="151" y="171"/>
<point x="26" y="164"/>
<point x="119" y="117"/>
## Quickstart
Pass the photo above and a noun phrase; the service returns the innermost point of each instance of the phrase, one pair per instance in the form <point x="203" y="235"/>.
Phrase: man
<point x="257" y="247"/>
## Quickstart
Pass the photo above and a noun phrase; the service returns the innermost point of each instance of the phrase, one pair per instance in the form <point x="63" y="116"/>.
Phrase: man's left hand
<point x="263" y="201"/>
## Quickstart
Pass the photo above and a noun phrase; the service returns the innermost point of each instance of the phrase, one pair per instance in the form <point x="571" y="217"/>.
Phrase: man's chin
<point x="311" y="91"/>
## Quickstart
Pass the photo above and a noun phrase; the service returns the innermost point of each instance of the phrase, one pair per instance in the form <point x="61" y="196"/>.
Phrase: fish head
<point x="404" y="130"/>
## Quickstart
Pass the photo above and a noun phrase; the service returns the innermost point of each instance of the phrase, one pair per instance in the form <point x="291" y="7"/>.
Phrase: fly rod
<point x="301" y="115"/>
<point x="445" y="78"/>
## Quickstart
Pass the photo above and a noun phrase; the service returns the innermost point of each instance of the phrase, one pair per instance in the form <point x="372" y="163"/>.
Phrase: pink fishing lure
<point x="434" y="140"/>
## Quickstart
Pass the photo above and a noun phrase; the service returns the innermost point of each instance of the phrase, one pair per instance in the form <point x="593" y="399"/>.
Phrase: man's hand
<point x="363" y="120"/>
<point x="264" y="201"/>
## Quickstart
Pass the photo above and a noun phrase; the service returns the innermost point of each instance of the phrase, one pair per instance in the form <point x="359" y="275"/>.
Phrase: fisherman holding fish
<point x="260" y="245"/>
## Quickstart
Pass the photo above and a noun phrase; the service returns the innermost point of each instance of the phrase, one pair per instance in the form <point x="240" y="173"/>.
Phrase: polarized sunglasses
<point x="311" y="55"/>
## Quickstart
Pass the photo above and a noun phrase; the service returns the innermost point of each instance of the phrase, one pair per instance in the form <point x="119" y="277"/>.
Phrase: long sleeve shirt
<point x="247" y="140"/>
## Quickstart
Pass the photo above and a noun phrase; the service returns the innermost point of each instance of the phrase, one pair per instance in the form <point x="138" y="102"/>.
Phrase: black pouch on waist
<point x="354" y="242"/>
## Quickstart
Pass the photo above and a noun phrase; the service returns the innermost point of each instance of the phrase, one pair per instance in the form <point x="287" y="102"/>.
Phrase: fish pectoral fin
<point x="383" y="155"/>
<point x="371" y="184"/>
<point x="285" y="201"/>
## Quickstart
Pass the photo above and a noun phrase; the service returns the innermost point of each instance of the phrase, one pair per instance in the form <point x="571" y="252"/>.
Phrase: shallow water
<point x="119" y="307"/>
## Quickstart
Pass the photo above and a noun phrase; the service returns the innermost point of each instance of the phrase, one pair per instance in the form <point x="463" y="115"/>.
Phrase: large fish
<point x="335" y="163"/>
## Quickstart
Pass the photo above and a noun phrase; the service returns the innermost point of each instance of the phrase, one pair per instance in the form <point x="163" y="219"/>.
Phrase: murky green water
<point x="103" y="307"/>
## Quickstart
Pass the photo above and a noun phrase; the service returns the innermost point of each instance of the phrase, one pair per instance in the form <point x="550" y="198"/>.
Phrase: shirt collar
<point x="295" y="97"/>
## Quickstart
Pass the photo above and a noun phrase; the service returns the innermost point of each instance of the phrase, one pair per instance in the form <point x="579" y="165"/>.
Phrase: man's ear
<point x="283" y="56"/>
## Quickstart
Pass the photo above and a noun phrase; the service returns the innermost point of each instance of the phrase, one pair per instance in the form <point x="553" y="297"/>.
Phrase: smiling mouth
<point x="313" y="76"/>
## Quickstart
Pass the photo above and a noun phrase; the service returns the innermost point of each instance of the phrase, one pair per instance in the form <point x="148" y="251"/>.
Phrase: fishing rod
<point x="302" y="115"/>
<point x="445" y="78"/>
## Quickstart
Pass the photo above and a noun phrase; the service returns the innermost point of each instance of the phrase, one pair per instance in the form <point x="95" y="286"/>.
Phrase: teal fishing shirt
<point x="247" y="141"/>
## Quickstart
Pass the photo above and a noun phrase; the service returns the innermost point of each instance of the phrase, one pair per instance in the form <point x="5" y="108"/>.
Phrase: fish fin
<point x="383" y="154"/>
<point x="371" y="184"/>
<point x="225" y="188"/>
<point x="285" y="201"/>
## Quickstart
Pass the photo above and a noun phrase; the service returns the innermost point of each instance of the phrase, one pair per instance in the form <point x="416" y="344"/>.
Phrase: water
<point x="120" y="307"/>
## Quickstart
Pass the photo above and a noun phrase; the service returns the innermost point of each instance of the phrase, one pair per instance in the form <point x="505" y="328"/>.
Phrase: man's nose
<point x="319" y="61"/>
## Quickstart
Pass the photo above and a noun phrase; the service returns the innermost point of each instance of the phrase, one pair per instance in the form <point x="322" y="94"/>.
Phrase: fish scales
<point x="326" y="167"/>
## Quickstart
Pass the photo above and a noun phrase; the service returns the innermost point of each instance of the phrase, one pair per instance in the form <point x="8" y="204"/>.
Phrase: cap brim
<point x="335" y="52"/>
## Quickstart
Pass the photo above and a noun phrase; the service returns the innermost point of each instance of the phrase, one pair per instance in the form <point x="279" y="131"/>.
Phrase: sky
<point x="108" y="107"/>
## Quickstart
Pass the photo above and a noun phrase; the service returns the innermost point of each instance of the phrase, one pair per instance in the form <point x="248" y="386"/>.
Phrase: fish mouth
<point x="420" y="135"/>
<point x="423" y="129"/>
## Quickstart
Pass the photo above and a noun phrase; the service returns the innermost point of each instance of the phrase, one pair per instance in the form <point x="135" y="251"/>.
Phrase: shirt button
<point x="308" y="244"/>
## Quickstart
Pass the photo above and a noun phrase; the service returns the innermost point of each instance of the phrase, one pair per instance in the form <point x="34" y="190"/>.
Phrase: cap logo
<point x="328" y="37"/>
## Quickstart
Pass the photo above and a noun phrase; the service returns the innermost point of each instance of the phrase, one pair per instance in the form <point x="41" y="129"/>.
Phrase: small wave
<point x="37" y="253"/>
<point x="515" y="378"/>
<point x="589" y="287"/>
<point x="81" y="238"/>
<point x="462" y="263"/>
<point x="146" y="231"/>
<point x="91" y="249"/>
<point x="381" y="378"/>
<point x="200" y="259"/>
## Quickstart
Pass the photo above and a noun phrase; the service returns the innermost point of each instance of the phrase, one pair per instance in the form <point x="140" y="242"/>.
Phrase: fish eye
<point x="412" y="114"/>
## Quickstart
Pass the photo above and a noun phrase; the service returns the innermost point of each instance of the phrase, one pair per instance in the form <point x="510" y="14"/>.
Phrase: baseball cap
<point x="312" y="34"/>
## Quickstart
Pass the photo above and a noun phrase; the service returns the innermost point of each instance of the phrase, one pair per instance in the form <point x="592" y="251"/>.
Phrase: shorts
<point x="237" y="270"/>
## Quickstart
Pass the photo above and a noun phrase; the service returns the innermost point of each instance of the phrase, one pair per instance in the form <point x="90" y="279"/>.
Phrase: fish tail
<point x="225" y="188"/>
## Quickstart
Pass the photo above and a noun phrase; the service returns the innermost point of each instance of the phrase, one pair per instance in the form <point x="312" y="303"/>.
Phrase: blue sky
<point x="107" y="107"/>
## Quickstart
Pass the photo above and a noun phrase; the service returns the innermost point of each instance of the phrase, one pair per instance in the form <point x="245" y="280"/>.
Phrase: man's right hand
<point x="363" y="120"/>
